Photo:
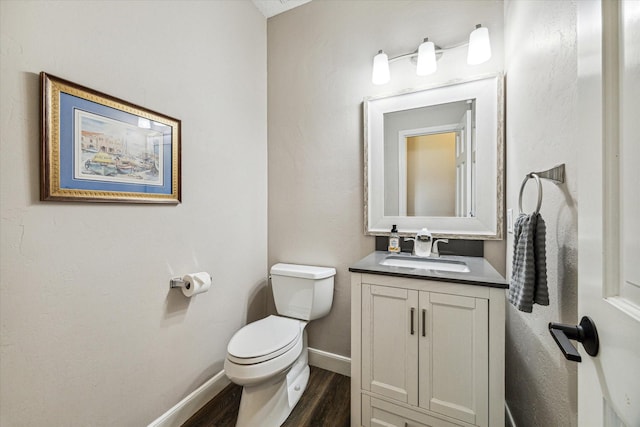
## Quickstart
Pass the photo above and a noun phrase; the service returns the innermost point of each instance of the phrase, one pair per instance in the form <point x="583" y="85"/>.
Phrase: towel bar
<point x="555" y="174"/>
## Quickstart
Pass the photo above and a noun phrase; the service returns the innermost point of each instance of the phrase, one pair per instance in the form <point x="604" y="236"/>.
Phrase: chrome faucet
<point x="421" y="243"/>
<point x="434" y="250"/>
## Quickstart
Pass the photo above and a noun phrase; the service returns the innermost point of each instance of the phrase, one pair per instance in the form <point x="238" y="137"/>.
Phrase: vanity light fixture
<point x="426" y="58"/>
<point x="380" y="69"/>
<point x="428" y="53"/>
<point x="479" y="46"/>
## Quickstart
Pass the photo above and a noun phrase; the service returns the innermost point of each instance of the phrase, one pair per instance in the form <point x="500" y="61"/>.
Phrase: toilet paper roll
<point x="196" y="283"/>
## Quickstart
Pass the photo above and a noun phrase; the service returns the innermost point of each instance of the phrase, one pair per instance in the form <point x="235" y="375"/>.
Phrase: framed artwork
<point x="98" y="148"/>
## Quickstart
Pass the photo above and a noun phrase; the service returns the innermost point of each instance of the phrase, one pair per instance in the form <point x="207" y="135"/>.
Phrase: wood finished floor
<point x="325" y="403"/>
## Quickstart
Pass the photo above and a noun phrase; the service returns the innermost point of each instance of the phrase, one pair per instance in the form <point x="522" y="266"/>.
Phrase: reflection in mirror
<point x="434" y="159"/>
<point x="430" y="160"/>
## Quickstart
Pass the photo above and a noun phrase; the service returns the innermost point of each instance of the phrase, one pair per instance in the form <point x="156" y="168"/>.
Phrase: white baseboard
<point x="188" y="406"/>
<point x="330" y="361"/>
<point x="509" y="421"/>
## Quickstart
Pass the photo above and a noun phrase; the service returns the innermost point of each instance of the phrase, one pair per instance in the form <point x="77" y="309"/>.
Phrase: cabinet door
<point x="454" y="356"/>
<point x="389" y="342"/>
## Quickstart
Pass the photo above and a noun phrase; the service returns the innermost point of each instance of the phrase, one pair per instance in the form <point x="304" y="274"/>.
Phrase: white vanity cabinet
<point x="426" y="352"/>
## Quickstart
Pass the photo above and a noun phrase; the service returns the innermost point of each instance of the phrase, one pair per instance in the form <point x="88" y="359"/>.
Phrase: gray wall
<point x="541" y="73"/>
<point x="91" y="333"/>
<point x="319" y="71"/>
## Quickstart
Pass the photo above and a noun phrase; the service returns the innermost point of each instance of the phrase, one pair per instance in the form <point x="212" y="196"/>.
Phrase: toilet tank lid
<point x="302" y="271"/>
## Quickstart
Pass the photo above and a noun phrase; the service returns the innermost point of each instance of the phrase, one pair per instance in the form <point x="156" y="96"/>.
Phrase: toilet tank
<point x="302" y="291"/>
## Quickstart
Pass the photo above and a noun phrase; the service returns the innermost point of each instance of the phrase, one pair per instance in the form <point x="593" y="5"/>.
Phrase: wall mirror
<point x="434" y="158"/>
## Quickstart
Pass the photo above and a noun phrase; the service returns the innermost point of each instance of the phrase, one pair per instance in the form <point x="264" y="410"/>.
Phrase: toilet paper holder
<point x="177" y="282"/>
<point x="192" y="283"/>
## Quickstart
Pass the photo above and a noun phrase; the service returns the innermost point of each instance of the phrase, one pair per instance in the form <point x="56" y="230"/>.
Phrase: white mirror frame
<point x="488" y="222"/>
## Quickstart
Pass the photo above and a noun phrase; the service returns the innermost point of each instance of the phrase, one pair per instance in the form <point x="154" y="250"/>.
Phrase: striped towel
<point x="529" y="272"/>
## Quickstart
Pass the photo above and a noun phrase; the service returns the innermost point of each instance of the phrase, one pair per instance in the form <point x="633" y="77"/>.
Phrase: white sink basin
<point x="425" y="263"/>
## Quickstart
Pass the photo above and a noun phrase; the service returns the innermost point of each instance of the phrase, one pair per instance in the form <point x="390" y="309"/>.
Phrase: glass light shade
<point x="380" y="73"/>
<point x="426" y="59"/>
<point x="479" y="46"/>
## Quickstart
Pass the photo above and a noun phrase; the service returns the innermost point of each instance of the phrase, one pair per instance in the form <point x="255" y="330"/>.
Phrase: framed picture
<point x="97" y="148"/>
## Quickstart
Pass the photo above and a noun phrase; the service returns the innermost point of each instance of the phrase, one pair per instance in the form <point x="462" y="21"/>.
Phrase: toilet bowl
<point x="273" y="378"/>
<point x="269" y="357"/>
<point x="263" y="349"/>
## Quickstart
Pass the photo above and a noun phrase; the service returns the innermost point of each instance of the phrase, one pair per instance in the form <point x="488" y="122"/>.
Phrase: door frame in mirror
<point x="403" y="157"/>
<point x="487" y="224"/>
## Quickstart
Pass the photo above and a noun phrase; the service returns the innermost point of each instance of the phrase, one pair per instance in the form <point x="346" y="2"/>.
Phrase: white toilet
<point x="269" y="357"/>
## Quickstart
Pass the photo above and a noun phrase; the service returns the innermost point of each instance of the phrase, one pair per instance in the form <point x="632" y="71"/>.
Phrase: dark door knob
<point x="585" y="333"/>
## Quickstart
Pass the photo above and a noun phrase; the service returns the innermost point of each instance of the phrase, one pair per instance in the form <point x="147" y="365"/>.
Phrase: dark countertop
<point x="482" y="273"/>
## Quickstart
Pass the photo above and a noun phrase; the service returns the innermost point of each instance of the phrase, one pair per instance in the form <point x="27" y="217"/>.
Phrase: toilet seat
<point x="264" y="340"/>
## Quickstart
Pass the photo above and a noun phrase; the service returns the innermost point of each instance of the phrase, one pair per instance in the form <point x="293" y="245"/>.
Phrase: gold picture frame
<point x="98" y="148"/>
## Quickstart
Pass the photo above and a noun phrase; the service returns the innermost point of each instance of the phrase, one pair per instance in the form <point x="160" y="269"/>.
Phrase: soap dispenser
<point x="422" y="243"/>
<point x="394" y="241"/>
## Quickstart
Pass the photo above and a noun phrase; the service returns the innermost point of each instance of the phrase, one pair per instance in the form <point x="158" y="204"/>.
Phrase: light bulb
<point x="380" y="73"/>
<point x="479" y="46"/>
<point x="426" y="59"/>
